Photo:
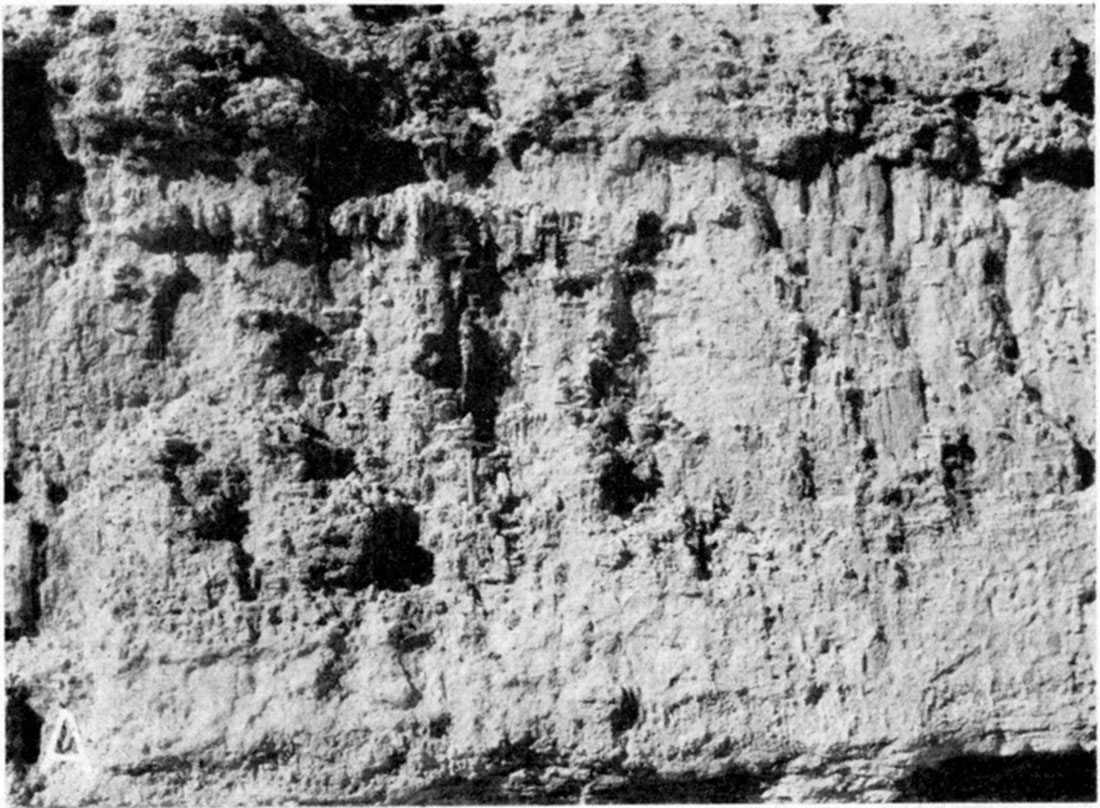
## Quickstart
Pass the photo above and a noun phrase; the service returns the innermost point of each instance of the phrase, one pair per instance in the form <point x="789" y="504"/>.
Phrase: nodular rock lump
<point x="501" y="403"/>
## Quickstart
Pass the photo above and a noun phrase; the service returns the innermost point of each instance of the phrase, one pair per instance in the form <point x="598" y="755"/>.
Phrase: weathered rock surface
<point x="550" y="403"/>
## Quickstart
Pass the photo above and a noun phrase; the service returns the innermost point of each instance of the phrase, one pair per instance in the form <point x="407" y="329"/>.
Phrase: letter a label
<point x="65" y="741"/>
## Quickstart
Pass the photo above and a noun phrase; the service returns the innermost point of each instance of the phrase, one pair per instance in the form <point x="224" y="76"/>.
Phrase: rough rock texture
<point x="550" y="403"/>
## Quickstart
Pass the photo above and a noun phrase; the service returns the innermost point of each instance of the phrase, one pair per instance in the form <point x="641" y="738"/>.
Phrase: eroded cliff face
<point x="500" y="403"/>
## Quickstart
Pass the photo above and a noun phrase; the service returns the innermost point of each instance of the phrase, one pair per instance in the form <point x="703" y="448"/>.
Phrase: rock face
<point x="509" y="403"/>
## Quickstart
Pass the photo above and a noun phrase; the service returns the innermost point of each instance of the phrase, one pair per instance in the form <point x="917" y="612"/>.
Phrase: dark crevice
<point x="42" y="189"/>
<point x="625" y="467"/>
<point x="1029" y="777"/>
<point x="23" y="728"/>
<point x="895" y="539"/>
<point x="635" y="786"/>
<point x="802" y="476"/>
<point x="162" y="310"/>
<point x="852" y="404"/>
<point x="12" y="494"/>
<point x="804" y="156"/>
<point x="1075" y="169"/>
<point x="312" y="455"/>
<point x="462" y="353"/>
<point x="631" y="83"/>
<point x="807" y="350"/>
<point x="381" y="549"/>
<point x="697" y="529"/>
<point x="1077" y="87"/>
<point x="245" y="578"/>
<point x="56" y="493"/>
<point x="218" y="496"/>
<point x="574" y="286"/>
<point x="649" y="240"/>
<point x="762" y="214"/>
<point x="966" y="103"/>
<point x="1084" y="466"/>
<point x="957" y="460"/>
<point x="627" y="711"/>
<point x="292" y="350"/>
<point x="624" y="483"/>
<point x="543" y="127"/>
<point x="385" y="16"/>
<point x="24" y="619"/>
<point x="1006" y="349"/>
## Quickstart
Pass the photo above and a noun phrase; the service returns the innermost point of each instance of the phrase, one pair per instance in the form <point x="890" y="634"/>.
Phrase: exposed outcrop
<point x="545" y="404"/>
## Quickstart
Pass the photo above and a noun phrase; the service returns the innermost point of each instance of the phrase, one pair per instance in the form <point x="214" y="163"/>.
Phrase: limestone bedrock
<point x="546" y="402"/>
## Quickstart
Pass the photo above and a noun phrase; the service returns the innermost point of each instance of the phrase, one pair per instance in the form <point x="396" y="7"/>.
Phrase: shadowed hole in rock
<point x="1034" y="777"/>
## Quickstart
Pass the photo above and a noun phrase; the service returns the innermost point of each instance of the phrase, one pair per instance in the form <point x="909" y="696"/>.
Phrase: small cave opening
<point x="1032" y="777"/>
